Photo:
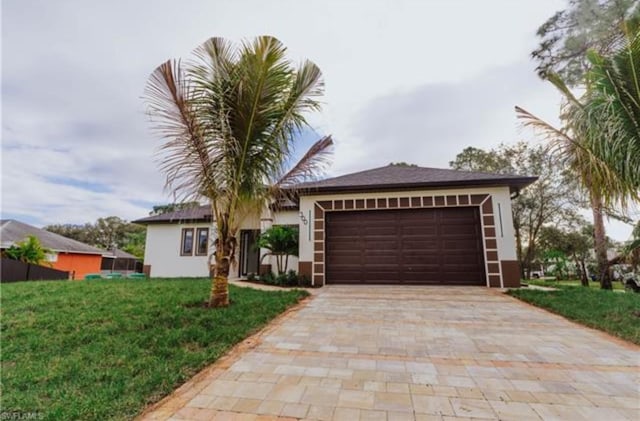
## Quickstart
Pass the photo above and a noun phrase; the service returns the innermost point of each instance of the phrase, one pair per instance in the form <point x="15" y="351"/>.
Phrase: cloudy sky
<point x="413" y="81"/>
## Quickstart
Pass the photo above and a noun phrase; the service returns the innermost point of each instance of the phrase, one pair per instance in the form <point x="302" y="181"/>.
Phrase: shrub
<point x="289" y="279"/>
<point x="28" y="251"/>
<point x="268" y="278"/>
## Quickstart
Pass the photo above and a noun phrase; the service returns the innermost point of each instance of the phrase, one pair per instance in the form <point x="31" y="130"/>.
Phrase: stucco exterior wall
<point x="162" y="251"/>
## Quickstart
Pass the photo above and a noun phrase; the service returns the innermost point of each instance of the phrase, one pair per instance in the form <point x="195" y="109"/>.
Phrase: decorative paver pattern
<point x="416" y="353"/>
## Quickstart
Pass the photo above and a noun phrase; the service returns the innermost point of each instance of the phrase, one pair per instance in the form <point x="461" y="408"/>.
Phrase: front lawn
<point x="617" y="313"/>
<point x="573" y="283"/>
<point x="99" y="350"/>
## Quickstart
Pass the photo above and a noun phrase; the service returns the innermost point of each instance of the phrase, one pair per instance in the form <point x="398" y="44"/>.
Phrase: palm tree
<point x="229" y="119"/>
<point x="600" y="142"/>
<point x="282" y="242"/>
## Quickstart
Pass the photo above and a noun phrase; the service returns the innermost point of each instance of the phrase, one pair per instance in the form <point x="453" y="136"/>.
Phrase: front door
<point x="249" y="253"/>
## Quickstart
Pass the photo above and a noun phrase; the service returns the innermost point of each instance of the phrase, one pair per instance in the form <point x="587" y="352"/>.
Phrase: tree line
<point x="591" y="53"/>
<point x="106" y="233"/>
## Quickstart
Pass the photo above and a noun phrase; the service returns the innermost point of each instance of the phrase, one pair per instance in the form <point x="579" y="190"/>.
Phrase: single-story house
<point x="67" y="255"/>
<point x="396" y="224"/>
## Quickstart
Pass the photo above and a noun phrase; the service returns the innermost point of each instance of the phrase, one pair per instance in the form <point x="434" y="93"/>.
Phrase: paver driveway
<point x="396" y="353"/>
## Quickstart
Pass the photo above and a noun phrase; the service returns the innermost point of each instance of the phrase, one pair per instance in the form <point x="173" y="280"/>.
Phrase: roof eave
<point x="514" y="184"/>
<point x="172" y="221"/>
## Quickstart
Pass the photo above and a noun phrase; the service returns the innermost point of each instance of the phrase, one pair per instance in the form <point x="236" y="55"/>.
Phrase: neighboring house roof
<point x="12" y="232"/>
<point x="118" y="254"/>
<point x="394" y="177"/>
<point x="195" y="214"/>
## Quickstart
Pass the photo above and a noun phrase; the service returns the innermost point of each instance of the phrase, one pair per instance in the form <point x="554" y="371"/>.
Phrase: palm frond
<point x="309" y="166"/>
<point x="185" y="155"/>
<point x="580" y="154"/>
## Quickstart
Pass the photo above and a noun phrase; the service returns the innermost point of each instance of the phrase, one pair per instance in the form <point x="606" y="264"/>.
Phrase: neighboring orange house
<point x="77" y="264"/>
<point x="68" y="255"/>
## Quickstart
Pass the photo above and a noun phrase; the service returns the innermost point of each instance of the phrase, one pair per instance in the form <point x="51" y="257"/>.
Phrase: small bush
<point x="289" y="279"/>
<point x="282" y="280"/>
<point x="267" y="278"/>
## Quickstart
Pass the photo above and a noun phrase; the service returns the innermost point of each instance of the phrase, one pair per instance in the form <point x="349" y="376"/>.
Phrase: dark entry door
<point x="408" y="246"/>
<point x="249" y="254"/>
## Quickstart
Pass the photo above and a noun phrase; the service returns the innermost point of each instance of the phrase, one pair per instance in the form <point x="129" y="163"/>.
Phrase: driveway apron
<point x="416" y="353"/>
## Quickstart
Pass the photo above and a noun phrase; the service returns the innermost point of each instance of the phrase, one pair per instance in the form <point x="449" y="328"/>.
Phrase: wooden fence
<point x="15" y="271"/>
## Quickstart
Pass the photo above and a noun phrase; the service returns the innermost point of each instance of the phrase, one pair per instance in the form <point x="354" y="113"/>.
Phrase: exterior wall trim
<point x="483" y="201"/>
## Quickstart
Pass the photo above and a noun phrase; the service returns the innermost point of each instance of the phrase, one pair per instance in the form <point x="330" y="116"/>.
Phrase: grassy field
<point x="617" y="285"/>
<point x="613" y="312"/>
<point x="99" y="350"/>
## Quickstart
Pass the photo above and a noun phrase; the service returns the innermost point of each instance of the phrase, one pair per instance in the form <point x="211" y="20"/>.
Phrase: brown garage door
<point x="409" y="246"/>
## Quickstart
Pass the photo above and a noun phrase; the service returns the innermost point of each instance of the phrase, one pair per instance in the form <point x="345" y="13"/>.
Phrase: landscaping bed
<point x="617" y="313"/>
<point x="106" y="349"/>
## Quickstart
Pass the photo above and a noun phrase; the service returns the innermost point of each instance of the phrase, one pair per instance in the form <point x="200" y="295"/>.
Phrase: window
<point x="187" y="242"/>
<point x="203" y="241"/>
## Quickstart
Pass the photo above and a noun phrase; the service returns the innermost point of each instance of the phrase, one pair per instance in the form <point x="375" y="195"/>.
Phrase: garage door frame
<point x="484" y="202"/>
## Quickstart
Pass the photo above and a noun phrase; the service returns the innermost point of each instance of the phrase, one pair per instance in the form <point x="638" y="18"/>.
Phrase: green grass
<point x="99" y="350"/>
<point x="612" y="312"/>
<point x="572" y="283"/>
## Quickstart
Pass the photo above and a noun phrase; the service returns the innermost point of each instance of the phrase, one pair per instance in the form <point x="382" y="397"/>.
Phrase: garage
<point x="436" y="246"/>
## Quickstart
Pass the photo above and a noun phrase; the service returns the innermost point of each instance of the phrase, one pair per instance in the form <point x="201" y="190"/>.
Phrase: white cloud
<point x="409" y="74"/>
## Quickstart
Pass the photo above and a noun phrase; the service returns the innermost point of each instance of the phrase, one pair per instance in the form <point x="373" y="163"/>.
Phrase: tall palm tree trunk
<point x="600" y="240"/>
<point x="219" y="296"/>
<point x="225" y="247"/>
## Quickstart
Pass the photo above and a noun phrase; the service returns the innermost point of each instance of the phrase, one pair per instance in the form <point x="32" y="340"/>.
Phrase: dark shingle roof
<point x="391" y="177"/>
<point x="195" y="214"/>
<point x="405" y="177"/>
<point x="12" y="232"/>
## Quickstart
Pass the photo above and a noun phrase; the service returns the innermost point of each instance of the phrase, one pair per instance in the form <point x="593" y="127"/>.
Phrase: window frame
<point x="183" y="236"/>
<point x="197" y="242"/>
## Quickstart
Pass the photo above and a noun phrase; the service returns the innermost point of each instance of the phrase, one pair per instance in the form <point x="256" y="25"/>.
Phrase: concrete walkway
<point x="423" y="353"/>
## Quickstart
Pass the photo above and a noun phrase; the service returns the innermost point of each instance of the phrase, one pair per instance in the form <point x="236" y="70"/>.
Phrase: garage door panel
<point x="421" y="268"/>
<point x="461" y="259"/>
<point x="454" y="231"/>
<point x="338" y="261"/>
<point x="416" y="217"/>
<point x="427" y="232"/>
<point x="415" y="246"/>
<point x="382" y="277"/>
<point x="456" y="245"/>
<point x="380" y="230"/>
<point x="418" y="246"/>
<point x="377" y="260"/>
<point x="420" y="258"/>
<point x="348" y="232"/>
